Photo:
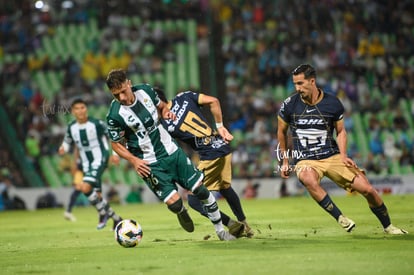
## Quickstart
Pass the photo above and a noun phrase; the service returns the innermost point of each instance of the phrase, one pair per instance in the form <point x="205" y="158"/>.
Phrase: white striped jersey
<point x="91" y="138"/>
<point x="139" y="126"/>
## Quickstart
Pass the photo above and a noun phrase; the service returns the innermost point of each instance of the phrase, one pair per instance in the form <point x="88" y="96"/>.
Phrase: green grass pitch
<point x="293" y="236"/>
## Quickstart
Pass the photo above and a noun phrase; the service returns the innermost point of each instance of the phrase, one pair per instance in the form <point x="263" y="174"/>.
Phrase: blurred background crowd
<point x="53" y="51"/>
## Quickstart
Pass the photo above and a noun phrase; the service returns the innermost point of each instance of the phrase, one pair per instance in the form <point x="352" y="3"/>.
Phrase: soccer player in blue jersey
<point x="313" y="116"/>
<point x="90" y="136"/>
<point x="138" y="136"/>
<point x="192" y="127"/>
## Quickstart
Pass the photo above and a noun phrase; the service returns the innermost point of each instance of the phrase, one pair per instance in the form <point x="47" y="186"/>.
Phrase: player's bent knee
<point x="93" y="197"/>
<point x="176" y="206"/>
<point x="201" y="192"/>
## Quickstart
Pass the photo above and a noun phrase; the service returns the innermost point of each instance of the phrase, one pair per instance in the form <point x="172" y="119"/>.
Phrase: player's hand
<point x="349" y="162"/>
<point x="141" y="167"/>
<point x="225" y="134"/>
<point x="285" y="171"/>
<point x="61" y="150"/>
<point x="169" y="115"/>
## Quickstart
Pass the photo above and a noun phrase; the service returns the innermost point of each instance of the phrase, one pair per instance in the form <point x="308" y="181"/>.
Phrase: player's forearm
<point x="215" y="110"/>
<point x="282" y="139"/>
<point x="121" y="151"/>
<point x="341" y="139"/>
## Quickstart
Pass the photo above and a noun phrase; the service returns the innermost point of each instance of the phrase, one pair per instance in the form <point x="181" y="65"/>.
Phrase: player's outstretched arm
<point x="215" y="109"/>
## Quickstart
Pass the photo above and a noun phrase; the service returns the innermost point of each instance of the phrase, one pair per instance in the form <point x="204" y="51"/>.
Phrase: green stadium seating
<point x="49" y="172"/>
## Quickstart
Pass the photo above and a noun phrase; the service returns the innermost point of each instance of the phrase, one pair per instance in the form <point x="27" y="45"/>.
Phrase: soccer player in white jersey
<point x="138" y="136"/>
<point x="313" y="116"/>
<point x="90" y="136"/>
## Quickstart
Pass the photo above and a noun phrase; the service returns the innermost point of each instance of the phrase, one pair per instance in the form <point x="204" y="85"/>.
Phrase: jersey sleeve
<point x="152" y="94"/>
<point x="102" y="128"/>
<point x="116" y="131"/>
<point x="339" y="111"/>
<point x="284" y="113"/>
<point x="67" y="140"/>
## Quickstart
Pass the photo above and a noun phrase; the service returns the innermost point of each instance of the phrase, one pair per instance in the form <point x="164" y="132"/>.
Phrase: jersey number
<point x="193" y="124"/>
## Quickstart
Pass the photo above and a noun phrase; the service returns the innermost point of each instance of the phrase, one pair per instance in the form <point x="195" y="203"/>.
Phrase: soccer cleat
<point x="237" y="229"/>
<point x="346" y="223"/>
<point x="225" y="236"/>
<point x="116" y="223"/>
<point x="248" y="230"/>
<point x="185" y="221"/>
<point x="69" y="216"/>
<point x="392" y="230"/>
<point x="103" y="219"/>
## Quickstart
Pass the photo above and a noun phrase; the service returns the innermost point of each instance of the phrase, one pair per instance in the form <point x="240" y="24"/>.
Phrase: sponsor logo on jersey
<point x="310" y="121"/>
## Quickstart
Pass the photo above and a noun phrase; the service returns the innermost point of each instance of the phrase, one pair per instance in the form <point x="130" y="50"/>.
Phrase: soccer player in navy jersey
<point x="212" y="146"/>
<point x="313" y="116"/>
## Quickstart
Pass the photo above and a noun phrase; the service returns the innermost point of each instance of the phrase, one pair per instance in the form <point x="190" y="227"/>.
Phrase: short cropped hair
<point x="161" y="94"/>
<point x="78" y="101"/>
<point x="116" y="78"/>
<point x="307" y="70"/>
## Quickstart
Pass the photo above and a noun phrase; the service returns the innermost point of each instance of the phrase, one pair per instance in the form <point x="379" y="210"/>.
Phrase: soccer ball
<point x="128" y="233"/>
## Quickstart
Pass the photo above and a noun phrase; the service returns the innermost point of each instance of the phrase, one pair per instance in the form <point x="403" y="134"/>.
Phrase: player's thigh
<point x="309" y="172"/>
<point x="217" y="173"/>
<point x="362" y="185"/>
<point x="341" y="174"/>
<point x="93" y="174"/>
<point x="185" y="172"/>
<point x="77" y="179"/>
<point x="161" y="182"/>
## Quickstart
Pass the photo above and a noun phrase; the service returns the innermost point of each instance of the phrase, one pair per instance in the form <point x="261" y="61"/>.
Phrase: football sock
<point x="72" y="200"/>
<point x="382" y="214"/>
<point x="330" y="207"/>
<point x="196" y="204"/>
<point x="99" y="203"/>
<point x="234" y="202"/>
<point x="210" y="205"/>
<point x="112" y="214"/>
<point x="213" y="212"/>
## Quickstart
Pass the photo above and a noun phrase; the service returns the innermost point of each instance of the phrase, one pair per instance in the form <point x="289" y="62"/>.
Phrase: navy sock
<point x="234" y="202"/>
<point x="382" y="214"/>
<point x="72" y="200"/>
<point x="330" y="207"/>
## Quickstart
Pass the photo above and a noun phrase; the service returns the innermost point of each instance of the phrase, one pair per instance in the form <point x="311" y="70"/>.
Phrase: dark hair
<point x="306" y="69"/>
<point x="161" y="94"/>
<point x="78" y="101"/>
<point x="116" y="78"/>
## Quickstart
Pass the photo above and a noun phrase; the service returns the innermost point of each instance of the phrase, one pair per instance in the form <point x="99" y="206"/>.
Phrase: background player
<point x="89" y="135"/>
<point x="77" y="175"/>
<point x="192" y="127"/>
<point x="312" y="116"/>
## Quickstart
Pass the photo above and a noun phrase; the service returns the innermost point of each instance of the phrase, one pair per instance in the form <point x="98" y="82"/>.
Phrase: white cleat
<point x="225" y="236"/>
<point x="392" y="230"/>
<point x="346" y="223"/>
<point x="69" y="216"/>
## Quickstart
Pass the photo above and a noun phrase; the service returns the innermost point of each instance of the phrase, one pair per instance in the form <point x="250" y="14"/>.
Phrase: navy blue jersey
<point x="312" y="126"/>
<point x="192" y="127"/>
